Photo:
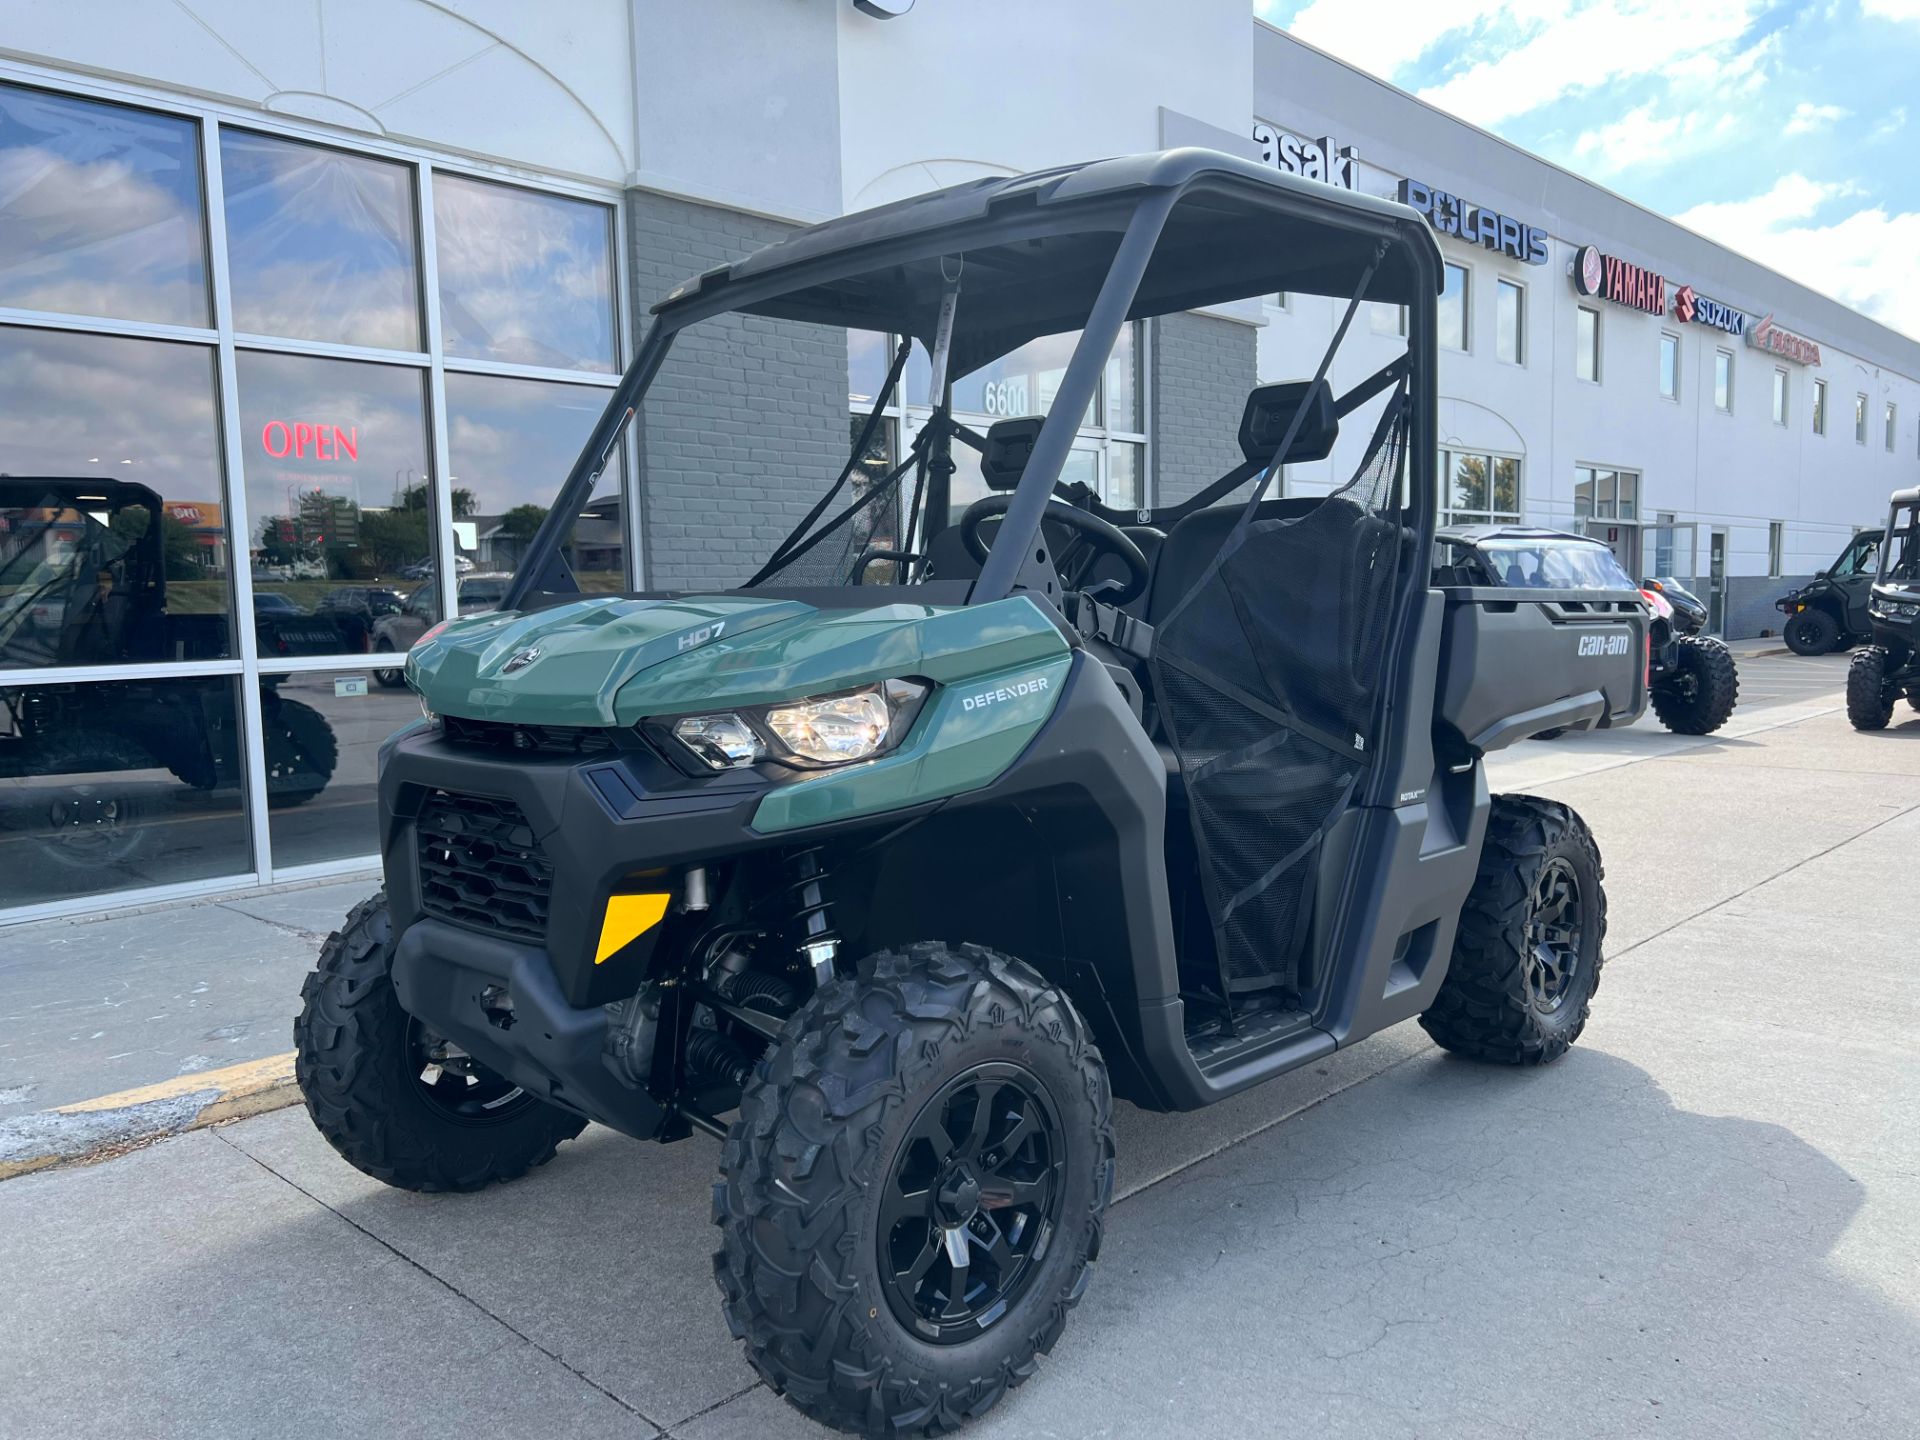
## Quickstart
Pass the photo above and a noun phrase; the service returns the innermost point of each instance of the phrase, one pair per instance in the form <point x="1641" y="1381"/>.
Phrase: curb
<point x="109" y="1125"/>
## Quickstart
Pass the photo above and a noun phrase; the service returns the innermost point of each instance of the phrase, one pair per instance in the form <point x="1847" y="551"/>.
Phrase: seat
<point x="1194" y="541"/>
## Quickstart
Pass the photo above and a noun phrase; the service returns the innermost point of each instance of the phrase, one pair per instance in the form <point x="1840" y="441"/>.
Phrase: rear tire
<point x="358" y="1062"/>
<point x="1811" y="632"/>
<point x="302" y="752"/>
<point x="1523" y="971"/>
<point x="1869" y="705"/>
<point x="851" y="1316"/>
<point x="1699" y="696"/>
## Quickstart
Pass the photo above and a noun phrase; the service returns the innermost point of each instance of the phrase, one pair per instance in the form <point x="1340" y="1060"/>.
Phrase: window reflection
<point x="100" y="210"/>
<point x="320" y="243"/>
<point x="342" y="720"/>
<point x="117" y="784"/>
<point x="116" y="549"/>
<point x="340" y="502"/>
<point x="525" y="278"/>
<point x="510" y="443"/>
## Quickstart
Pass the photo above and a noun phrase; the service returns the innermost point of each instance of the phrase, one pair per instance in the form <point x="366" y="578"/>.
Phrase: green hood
<point x="616" y="661"/>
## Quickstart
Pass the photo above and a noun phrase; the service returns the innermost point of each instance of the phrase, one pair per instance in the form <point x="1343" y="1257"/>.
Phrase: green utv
<point x="891" y="866"/>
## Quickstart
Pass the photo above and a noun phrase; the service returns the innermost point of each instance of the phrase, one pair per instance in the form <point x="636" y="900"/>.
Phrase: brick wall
<point x="746" y="424"/>
<point x="1202" y="370"/>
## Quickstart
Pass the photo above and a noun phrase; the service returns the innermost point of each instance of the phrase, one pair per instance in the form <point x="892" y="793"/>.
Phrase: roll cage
<point x="976" y="270"/>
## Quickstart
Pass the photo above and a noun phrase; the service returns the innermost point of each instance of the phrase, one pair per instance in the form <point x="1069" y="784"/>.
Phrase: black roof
<point x="1035" y="248"/>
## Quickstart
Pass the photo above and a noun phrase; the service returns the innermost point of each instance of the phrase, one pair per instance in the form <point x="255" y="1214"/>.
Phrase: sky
<point x="1787" y="131"/>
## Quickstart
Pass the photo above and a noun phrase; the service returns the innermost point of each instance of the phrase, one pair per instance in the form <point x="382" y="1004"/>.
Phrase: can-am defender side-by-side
<point x="1881" y="672"/>
<point x="912" y="850"/>
<point x="1829" y="612"/>
<point x="1692" y="680"/>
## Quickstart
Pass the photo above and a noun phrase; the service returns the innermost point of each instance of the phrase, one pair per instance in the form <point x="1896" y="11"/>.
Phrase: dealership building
<point x="304" y="311"/>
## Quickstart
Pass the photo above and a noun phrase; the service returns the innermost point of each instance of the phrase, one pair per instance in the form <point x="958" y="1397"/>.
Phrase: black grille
<point x="528" y="739"/>
<point x="481" y="866"/>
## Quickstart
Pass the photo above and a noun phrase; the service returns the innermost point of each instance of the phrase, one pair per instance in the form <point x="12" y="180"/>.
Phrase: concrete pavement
<point x="1703" y="1222"/>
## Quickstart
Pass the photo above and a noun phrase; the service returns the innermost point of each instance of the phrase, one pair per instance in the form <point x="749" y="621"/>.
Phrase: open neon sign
<point x="304" y="440"/>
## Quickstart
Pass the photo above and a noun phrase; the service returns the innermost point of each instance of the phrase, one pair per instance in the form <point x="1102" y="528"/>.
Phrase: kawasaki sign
<point x="1323" y="159"/>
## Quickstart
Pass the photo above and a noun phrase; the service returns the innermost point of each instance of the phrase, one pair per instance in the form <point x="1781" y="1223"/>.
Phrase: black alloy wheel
<point x="972" y="1203"/>
<point x="455" y="1084"/>
<point x="1553" y="936"/>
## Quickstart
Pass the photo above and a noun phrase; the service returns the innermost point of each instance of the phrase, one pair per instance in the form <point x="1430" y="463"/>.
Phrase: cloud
<point x="1384" y="36"/>
<point x="1598" y="45"/>
<point x="1644" y="138"/>
<point x="1891" y="9"/>
<point x="1807" y="118"/>
<point x="1892" y="123"/>
<point x="1869" y="259"/>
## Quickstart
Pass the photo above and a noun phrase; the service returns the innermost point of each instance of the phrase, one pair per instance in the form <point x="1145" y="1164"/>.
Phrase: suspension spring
<point x="812" y="916"/>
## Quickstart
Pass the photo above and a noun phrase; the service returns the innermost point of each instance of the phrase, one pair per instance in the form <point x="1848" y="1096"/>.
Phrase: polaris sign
<point x="1450" y="215"/>
<point x="1321" y="159"/>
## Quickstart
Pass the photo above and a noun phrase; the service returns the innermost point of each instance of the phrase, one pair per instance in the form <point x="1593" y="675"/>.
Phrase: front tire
<point x="1811" y="632"/>
<point x="944" y="1080"/>
<point x="1527" y="956"/>
<point x="1869" y="705"/>
<point x="363" y="1064"/>
<point x="1699" y="696"/>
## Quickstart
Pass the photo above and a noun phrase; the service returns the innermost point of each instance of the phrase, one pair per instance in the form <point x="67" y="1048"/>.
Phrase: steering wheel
<point x="1103" y="539"/>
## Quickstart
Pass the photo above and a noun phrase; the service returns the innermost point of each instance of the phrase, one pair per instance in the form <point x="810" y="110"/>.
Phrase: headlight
<point x="815" y="733"/>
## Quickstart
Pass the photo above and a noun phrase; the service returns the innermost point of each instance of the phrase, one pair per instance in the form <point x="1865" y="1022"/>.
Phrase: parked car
<point x="355" y="608"/>
<point x="395" y="633"/>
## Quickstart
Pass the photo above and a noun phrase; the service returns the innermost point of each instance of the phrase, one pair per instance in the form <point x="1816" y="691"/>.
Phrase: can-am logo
<point x="1323" y="159"/>
<point x="1019" y="689"/>
<point x="1592" y="645"/>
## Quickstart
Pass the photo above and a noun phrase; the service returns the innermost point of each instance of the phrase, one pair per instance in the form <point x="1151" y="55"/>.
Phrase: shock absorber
<point x="814" y="934"/>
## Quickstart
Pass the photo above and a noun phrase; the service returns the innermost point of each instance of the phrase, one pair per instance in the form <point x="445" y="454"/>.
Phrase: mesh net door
<point x="1266" y="676"/>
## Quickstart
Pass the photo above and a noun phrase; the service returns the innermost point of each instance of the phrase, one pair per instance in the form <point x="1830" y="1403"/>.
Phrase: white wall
<point x="952" y="91"/>
<point x="549" y="87"/>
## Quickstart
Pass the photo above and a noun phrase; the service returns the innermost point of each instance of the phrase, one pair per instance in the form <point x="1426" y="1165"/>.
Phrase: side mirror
<point x="1009" y="447"/>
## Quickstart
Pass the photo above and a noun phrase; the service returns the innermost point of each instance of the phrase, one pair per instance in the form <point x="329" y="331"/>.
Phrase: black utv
<point x="891" y="864"/>
<point x="1880" y="673"/>
<point x="85" y="568"/>
<point x="1829" y="612"/>
<point x="1691" y="676"/>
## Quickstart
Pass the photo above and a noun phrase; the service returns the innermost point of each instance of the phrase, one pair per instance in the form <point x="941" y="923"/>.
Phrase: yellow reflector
<point x="628" y="918"/>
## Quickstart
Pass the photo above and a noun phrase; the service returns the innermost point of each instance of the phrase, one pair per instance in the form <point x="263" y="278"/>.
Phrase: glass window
<point x="1470" y="479"/>
<point x="1776" y="545"/>
<point x="509" y="445"/>
<point x="323" y="735"/>
<point x="1126" y="485"/>
<point x="869" y="353"/>
<point x="1453" y="331"/>
<point x="118" y="549"/>
<point x="1669" y="366"/>
<point x="1123" y="382"/>
<point x="320" y="243"/>
<point x="337" y="490"/>
<point x="1629" y="495"/>
<point x="1891" y="426"/>
<point x="1819" y="407"/>
<point x="1586" y="343"/>
<point x="1510" y="322"/>
<point x="120" y="783"/>
<point x="1385" y="319"/>
<point x="1023" y="382"/>
<point x="1583" y="480"/>
<point x="1859" y="419"/>
<point x="1723" y="380"/>
<point x="100" y="210"/>
<point x="1779" y="400"/>
<point x="525" y="278"/>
